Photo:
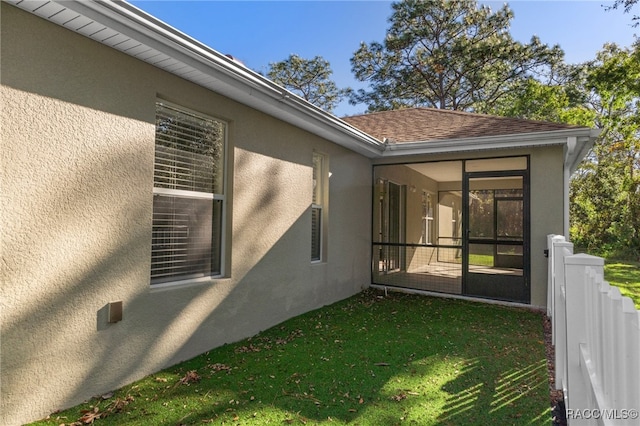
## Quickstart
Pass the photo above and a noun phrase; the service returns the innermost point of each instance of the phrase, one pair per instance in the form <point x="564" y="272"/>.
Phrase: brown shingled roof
<point x="424" y="124"/>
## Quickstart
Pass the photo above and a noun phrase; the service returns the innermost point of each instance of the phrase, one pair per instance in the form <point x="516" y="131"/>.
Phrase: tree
<point x="605" y="193"/>
<point x="310" y="79"/>
<point x="564" y="98"/>
<point x="626" y="5"/>
<point x="446" y="54"/>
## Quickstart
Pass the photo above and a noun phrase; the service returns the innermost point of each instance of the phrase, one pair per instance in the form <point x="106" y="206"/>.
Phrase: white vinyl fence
<point x="596" y="334"/>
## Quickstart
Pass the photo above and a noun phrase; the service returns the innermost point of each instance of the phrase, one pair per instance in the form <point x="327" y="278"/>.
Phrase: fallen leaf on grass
<point x="89" y="416"/>
<point x="399" y="397"/>
<point x="219" y="367"/>
<point x="245" y="349"/>
<point x="119" y="404"/>
<point x="301" y="396"/>
<point x="191" y="377"/>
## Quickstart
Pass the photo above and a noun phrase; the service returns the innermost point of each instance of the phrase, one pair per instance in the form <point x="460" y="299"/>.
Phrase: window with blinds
<point x="188" y="196"/>
<point x="318" y="204"/>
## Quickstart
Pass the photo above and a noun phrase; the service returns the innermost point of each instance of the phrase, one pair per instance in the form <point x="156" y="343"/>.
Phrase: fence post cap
<point x="562" y="243"/>
<point x="584" y="259"/>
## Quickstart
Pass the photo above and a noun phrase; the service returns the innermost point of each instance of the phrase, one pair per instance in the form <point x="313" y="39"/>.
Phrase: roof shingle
<point x="425" y="124"/>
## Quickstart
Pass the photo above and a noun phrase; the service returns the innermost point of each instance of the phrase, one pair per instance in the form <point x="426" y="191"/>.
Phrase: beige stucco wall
<point x="546" y="192"/>
<point x="76" y="182"/>
<point x="546" y="213"/>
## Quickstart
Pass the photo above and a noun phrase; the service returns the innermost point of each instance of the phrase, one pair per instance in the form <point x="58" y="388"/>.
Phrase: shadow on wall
<point x="272" y="278"/>
<point x="73" y="249"/>
<point x="68" y="252"/>
<point x="65" y="258"/>
<point x="77" y="227"/>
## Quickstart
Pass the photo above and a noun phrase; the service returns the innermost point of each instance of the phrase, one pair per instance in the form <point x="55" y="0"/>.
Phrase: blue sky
<point x="261" y="32"/>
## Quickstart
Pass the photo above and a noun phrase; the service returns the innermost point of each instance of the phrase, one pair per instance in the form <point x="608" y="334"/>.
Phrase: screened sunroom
<point x="459" y="227"/>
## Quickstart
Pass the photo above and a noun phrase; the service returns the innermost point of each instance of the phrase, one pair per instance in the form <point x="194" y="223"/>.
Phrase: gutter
<point x="518" y="140"/>
<point x="235" y="71"/>
<point x="192" y="60"/>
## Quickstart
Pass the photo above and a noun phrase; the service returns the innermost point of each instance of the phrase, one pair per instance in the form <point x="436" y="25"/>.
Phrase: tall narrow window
<point x="188" y="195"/>
<point x="427" y="218"/>
<point x="318" y="205"/>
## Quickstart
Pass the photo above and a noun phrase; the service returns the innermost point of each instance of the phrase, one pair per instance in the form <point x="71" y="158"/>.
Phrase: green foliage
<point x="310" y="79"/>
<point x="369" y="360"/>
<point x="447" y="54"/>
<point x="605" y="192"/>
<point x="556" y="102"/>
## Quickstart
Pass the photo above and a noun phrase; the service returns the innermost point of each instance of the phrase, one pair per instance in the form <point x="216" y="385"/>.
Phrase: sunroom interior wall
<point x="78" y="130"/>
<point x="415" y="183"/>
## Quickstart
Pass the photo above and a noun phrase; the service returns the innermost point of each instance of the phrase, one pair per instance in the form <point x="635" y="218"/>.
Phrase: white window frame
<point x="180" y="193"/>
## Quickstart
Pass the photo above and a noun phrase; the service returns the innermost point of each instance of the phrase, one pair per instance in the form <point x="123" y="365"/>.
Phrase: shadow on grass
<point x="369" y="360"/>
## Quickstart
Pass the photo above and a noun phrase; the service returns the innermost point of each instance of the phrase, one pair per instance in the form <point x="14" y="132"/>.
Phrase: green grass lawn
<point x="481" y="260"/>
<point x="369" y="360"/>
<point x="626" y="276"/>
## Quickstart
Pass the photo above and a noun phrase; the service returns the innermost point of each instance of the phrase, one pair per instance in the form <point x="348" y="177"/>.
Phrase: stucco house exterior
<point x="160" y="199"/>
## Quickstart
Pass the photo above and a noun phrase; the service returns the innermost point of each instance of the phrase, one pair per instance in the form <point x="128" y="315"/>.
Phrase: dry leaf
<point x="245" y="349"/>
<point x="219" y="367"/>
<point x="191" y="377"/>
<point x="399" y="397"/>
<point x="89" y="416"/>
<point x="119" y="404"/>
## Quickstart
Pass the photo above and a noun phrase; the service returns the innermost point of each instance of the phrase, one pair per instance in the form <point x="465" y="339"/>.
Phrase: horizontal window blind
<point x="189" y="151"/>
<point x="182" y="238"/>
<point x="316" y="233"/>
<point x="188" y="199"/>
<point x="318" y="203"/>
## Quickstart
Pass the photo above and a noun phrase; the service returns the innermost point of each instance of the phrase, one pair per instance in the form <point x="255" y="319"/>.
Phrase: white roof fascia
<point x="584" y="136"/>
<point x="205" y="67"/>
